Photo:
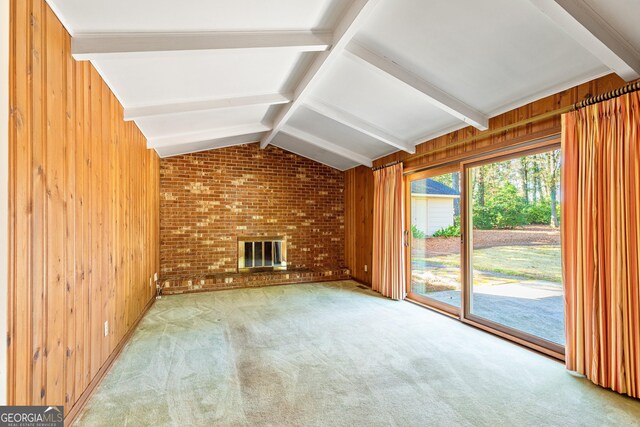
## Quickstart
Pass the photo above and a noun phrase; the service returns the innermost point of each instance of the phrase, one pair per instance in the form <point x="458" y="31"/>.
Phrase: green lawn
<point x="532" y="262"/>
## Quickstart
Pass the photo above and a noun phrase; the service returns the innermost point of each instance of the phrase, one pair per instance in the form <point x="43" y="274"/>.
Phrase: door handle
<point x="406" y="238"/>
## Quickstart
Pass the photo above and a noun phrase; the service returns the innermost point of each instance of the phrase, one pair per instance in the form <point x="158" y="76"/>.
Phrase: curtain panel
<point x="601" y="241"/>
<point x="388" y="269"/>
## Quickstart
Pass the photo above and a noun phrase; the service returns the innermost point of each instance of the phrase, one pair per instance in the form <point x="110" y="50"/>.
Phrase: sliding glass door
<point x="433" y="212"/>
<point x="483" y="243"/>
<point x="515" y="276"/>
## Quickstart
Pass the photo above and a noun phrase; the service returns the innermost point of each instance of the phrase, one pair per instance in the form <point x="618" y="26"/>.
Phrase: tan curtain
<point x="601" y="242"/>
<point x="388" y="227"/>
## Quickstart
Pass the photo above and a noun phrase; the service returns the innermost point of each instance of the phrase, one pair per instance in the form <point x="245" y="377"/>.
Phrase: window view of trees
<point x="518" y="192"/>
<point x="510" y="194"/>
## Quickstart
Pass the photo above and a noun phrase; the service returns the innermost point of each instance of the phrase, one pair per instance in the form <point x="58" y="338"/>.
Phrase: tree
<point x="480" y="180"/>
<point x="535" y="171"/>
<point x="455" y="177"/>
<point x="550" y="177"/>
<point x="509" y="207"/>
<point x="504" y="209"/>
<point x="525" y="176"/>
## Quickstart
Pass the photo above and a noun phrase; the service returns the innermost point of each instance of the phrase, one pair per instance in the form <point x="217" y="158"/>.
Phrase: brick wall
<point x="211" y="198"/>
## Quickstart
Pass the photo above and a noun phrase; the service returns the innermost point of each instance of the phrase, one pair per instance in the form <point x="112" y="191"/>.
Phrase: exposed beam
<point x="207" y="105"/>
<point x="434" y="95"/>
<point x="315" y="158"/>
<point x="206" y="135"/>
<point x="352" y="20"/>
<point x="326" y="145"/>
<point x="358" y="124"/>
<point x="176" y="150"/>
<point x="86" y="47"/>
<point x="586" y="27"/>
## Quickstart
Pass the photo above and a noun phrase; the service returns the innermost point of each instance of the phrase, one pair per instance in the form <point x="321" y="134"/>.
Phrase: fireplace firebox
<point x="262" y="253"/>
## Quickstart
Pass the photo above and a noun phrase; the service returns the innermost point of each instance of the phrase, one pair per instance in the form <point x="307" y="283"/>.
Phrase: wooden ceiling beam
<point x="206" y="135"/>
<point x="356" y="123"/>
<point x="85" y="47"/>
<point x="135" y="113"/>
<point x="346" y="29"/>
<point x="326" y="145"/>
<point x="587" y="28"/>
<point x="434" y="95"/>
<point x="177" y="150"/>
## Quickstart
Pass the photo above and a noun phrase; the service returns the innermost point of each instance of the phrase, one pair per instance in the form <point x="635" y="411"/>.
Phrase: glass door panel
<point x="514" y="250"/>
<point x="434" y="217"/>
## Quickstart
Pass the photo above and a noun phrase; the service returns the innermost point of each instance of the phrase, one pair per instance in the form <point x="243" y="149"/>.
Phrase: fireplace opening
<point x="262" y="253"/>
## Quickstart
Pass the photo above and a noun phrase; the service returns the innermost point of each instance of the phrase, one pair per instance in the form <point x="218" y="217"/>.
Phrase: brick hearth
<point x="250" y="280"/>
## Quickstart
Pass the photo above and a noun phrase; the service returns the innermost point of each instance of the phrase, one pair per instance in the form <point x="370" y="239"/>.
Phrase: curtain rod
<point x="395" y="162"/>
<point x="632" y="87"/>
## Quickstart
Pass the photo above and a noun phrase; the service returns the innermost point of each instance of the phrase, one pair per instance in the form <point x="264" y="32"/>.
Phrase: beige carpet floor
<point x="333" y="354"/>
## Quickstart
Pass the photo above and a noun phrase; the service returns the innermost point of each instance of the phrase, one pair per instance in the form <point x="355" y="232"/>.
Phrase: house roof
<point x="432" y="187"/>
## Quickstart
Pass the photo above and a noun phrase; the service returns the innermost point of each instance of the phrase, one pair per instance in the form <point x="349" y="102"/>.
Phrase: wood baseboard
<point x="84" y="397"/>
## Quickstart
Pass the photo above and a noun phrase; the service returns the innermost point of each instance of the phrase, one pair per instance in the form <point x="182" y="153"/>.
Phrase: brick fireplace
<point x="214" y="201"/>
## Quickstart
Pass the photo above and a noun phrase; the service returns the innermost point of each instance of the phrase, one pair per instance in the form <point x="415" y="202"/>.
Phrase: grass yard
<point x="533" y="262"/>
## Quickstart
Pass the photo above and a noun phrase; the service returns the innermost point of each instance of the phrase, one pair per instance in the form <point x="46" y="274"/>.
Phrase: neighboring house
<point x="432" y="205"/>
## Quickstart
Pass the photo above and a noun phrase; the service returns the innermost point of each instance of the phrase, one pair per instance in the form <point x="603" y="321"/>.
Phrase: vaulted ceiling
<point x="342" y="82"/>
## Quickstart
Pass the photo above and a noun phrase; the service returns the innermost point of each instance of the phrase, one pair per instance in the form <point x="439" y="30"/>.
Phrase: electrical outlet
<point x="106" y="328"/>
<point x="366" y="268"/>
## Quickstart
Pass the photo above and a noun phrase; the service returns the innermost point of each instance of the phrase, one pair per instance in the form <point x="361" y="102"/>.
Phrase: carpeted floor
<point x="333" y="354"/>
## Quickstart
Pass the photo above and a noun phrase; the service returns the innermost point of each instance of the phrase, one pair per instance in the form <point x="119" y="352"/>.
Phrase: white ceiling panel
<point x="312" y="152"/>
<point x="95" y="16"/>
<point x="154" y="127"/>
<point x="183" y="77"/>
<point x="489" y="54"/>
<point x="338" y="133"/>
<point x="380" y="99"/>
<point x="622" y="16"/>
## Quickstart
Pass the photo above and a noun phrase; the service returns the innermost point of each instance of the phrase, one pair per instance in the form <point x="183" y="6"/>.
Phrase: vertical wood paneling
<point x="11" y="157"/>
<point x="54" y="302"/>
<point x="84" y="206"/>
<point x="358" y="206"/>
<point x="39" y="205"/>
<point x="77" y="348"/>
<point x="21" y="151"/>
<point x="70" y="229"/>
<point x="95" y="266"/>
<point x="88" y="221"/>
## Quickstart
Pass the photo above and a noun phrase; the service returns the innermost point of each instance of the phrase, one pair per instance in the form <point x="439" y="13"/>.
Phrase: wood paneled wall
<point x="84" y="225"/>
<point x="4" y="190"/>
<point x="359" y="181"/>
<point x="358" y="226"/>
